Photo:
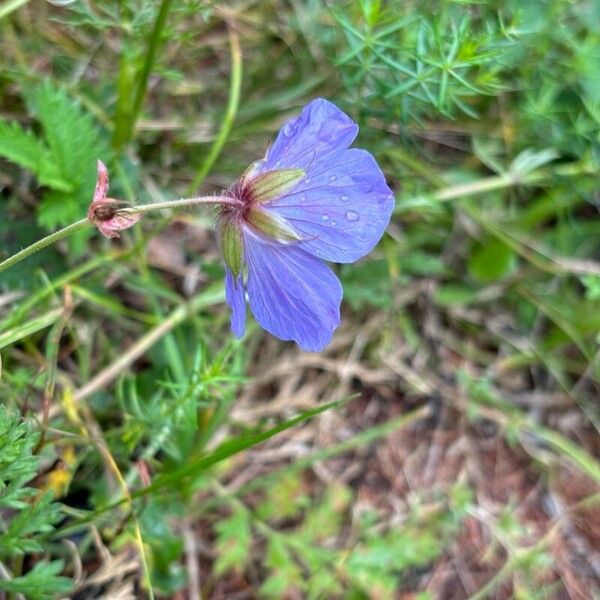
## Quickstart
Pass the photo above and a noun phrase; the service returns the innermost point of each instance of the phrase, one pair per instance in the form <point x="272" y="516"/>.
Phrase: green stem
<point x="78" y="225"/>
<point x="183" y="203"/>
<point x="127" y="113"/>
<point x="235" y="86"/>
<point x="11" y="6"/>
<point x="485" y="185"/>
<point x="61" y="234"/>
<point x="159" y="24"/>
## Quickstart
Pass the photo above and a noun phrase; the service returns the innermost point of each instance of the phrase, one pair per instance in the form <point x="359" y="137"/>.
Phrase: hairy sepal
<point x="273" y="184"/>
<point x="272" y="226"/>
<point x="232" y="246"/>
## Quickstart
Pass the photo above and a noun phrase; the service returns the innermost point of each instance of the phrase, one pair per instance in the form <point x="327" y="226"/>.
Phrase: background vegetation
<point x="444" y="446"/>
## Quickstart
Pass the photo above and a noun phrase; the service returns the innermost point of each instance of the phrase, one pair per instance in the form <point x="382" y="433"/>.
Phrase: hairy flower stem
<point x="183" y="203"/>
<point x="41" y="244"/>
<point x="65" y="232"/>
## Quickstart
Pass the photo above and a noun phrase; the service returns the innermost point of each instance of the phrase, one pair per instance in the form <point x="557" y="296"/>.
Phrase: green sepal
<point x="232" y="247"/>
<point x="272" y="226"/>
<point x="273" y="184"/>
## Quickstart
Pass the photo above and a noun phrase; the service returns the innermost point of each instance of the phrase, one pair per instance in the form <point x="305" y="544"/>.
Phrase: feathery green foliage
<point x="26" y="514"/>
<point x="63" y="158"/>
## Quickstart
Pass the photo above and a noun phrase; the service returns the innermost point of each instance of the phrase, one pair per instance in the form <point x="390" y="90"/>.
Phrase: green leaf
<point x="284" y="573"/>
<point x="454" y="294"/>
<point x="585" y="461"/>
<point x="41" y="583"/>
<point x="325" y="519"/>
<point x="37" y="517"/>
<point x="529" y="160"/>
<point x="23" y="148"/>
<point x="234" y="537"/>
<point x="57" y="208"/>
<point x="25" y="516"/>
<point x="592" y="285"/>
<point x="284" y="500"/>
<point x="367" y="284"/>
<point x="74" y="144"/>
<point x="17" y="465"/>
<point x="225" y="450"/>
<point x="491" y="261"/>
<point x="70" y="133"/>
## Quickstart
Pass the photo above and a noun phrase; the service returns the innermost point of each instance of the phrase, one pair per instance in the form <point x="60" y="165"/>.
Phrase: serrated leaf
<point x="284" y="573"/>
<point x="43" y="582"/>
<point x="17" y="465"/>
<point x="29" y="514"/>
<point x="57" y="208"/>
<point x="37" y="517"/>
<point x="23" y="148"/>
<point x="234" y="536"/>
<point x="69" y="132"/>
<point x="73" y="145"/>
<point x="325" y="519"/>
<point x="283" y="500"/>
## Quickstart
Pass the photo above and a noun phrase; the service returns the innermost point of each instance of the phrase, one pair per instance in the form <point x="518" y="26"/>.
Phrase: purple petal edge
<point x="341" y="208"/>
<point x="292" y="294"/>
<point x="234" y="294"/>
<point x="319" y="131"/>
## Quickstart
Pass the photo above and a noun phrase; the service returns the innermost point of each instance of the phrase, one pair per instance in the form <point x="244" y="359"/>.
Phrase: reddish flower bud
<point x="106" y="213"/>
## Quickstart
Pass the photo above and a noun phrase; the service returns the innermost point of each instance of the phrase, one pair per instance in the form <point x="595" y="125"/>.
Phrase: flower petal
<point x="341" y="209"/>
<point x="234" y="294"/>
<point x="111" y="227"/>
<point x="320" y="130"/>
<point x="101" y="182"/>
<point x="292" y="295"/>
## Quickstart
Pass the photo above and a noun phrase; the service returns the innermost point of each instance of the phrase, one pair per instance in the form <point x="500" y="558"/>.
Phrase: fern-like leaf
<point x="43" y="582"/>
<point x="25" y="516"/>
<point x="70" y="133"/>
<point x="22" y="147"/>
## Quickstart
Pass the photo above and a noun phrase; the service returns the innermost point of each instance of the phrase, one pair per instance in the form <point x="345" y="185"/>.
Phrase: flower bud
<point x="232" y="246"/>
<point x="105" y="213"/>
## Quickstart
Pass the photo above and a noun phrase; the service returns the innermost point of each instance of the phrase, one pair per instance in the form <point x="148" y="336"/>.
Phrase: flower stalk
<point x="65" y="232"/>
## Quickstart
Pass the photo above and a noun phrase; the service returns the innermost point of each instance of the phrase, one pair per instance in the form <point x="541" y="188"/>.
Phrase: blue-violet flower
<point x="311" y="199"/>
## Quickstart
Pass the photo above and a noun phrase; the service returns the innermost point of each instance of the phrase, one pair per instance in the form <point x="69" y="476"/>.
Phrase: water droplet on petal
<point x="324" y="218"/>
<point x="345" y="198"/>
<point x="332" y="178"/>
<point x="333" y="223"/>
<point x="302" y="198"/>
<point x="288" y="129"/>
<point x="307" y="180"/>
<point x="352" y="215"/>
